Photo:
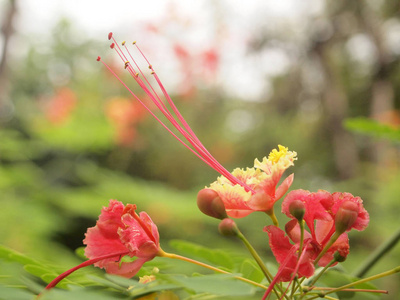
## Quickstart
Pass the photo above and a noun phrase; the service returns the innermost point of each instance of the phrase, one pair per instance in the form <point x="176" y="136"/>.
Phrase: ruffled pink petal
<point x="136" y="238"/>
<point x="103" y="238"/>
<point x="278" y="242"/>
<point x="287" y="256"/>
<point x="315" y="205"/>
<point x="363" y="217"/>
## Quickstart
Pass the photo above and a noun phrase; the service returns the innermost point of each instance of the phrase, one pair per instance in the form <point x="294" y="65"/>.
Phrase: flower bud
<point x="346" y="216"/>
<point x="338" y="257"/>
<point x="297" y="209"/>
<point x="228" y="227"/>
<point x="211" y="204"/>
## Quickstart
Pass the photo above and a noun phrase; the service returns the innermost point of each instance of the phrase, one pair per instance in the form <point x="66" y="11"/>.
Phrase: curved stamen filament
<point x="179" y="122"/>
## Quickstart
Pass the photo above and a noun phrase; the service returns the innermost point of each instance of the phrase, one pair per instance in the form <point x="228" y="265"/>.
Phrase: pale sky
<point x="241" y="19"/>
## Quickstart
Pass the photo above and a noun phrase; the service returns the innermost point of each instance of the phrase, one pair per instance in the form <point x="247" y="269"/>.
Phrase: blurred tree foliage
<point x="71" y="138"/>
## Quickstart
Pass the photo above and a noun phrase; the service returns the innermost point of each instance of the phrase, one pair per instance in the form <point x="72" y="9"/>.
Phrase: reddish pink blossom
<point x="120" y="229"/>
<point x="119" y="232"/>
<point x="320" y="211"/>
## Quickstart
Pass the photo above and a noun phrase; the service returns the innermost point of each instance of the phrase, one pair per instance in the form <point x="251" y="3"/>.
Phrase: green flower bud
<point x="297" y="209"/>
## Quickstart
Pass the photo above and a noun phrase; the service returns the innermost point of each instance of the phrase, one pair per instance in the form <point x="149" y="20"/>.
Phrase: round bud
<point x="228" y="227"/>
<point x="211" y="204"/>
<point x="297" y="209"/>
<point x="346" y="216"/>
<point x="338" y="257"/>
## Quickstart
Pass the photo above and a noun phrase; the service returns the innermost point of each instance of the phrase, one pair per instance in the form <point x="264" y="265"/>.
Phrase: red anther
<point x="112" y="46"/>
<point x="98" y="58"/>
<point x="110" y="35"/>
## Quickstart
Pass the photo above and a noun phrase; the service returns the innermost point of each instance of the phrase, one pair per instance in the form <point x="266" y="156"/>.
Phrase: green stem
<point x="314" y="288"/>
<point x="259" y="261"/>
<point x="377" y="276"/>
<point x="318" y="276"/>
<point x="254" y="253"/>
<point x="377" y="254"/>
<point x="301" y="223"/>
<point x="161" y="253"/>
<point x="327" y="246"/>
<point x="271" y="214"/>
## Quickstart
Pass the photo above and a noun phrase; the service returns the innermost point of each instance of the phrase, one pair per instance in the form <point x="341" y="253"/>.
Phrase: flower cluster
<point x="316" y="234"/>
<point x="324" y="214"/>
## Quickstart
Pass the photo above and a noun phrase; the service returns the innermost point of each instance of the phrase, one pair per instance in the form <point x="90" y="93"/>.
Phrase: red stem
<point x="89" y="262"/>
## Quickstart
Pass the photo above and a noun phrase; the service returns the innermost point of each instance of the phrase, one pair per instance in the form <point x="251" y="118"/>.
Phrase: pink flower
<point x="118" y="232"/>
<point x="120" y="229"/>
<point x="321" y="211"/>
<point x="242" y="191"/>
<point x="260" y="189"/>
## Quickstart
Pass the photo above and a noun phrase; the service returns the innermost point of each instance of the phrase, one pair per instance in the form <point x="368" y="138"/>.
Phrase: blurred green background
<point x="71" y="137"/>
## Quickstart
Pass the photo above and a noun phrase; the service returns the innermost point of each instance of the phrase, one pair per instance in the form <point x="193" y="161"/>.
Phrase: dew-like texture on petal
<point x="363" y="217"/>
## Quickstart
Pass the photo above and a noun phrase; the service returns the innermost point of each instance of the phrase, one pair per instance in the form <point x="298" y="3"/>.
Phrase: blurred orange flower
<point x="124" y="114"/>
<point x="59" y="108"/>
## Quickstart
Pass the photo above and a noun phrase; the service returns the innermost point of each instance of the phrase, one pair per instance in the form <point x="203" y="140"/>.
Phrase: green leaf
<point x="38" y="270"/>
<point x="7" y="293"/>
<point x="217" y="256"/>
<point x="121" y="281"/>
<point x="217" y="284"/>
<point x="251" y="270"/>
<point x="80" y="252"/>
<point x="372" y="128"/>
<point x="15" y="256"/>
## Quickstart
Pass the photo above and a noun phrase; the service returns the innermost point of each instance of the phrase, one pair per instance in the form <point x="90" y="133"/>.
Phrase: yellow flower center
<point x="276" y="155"/>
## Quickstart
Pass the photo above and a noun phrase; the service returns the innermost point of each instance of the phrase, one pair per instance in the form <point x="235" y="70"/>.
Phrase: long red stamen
<point x="89" y="262"/>
<point x="184" y="129"/>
